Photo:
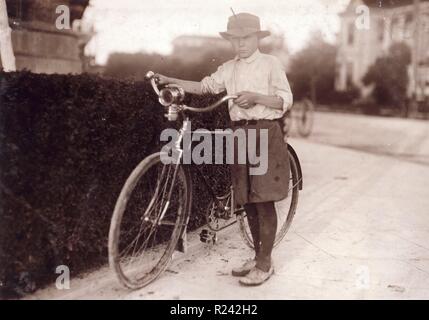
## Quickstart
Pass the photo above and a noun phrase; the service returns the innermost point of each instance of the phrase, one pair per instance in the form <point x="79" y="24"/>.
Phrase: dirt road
<point x="361" y="229"/>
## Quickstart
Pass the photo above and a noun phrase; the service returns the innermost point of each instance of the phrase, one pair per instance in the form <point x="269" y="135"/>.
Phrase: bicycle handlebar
<point x="151" y="76"/>
<point x="212" y="106"/>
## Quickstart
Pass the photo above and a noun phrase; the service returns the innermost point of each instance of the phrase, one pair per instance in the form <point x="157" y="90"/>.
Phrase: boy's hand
<point x="162" y="79"/>
<point x="246" y="99"/>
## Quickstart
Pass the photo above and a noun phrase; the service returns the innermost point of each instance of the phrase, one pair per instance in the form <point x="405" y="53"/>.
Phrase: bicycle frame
<point x="173" y="110"/>
<point x="179" y="151"/>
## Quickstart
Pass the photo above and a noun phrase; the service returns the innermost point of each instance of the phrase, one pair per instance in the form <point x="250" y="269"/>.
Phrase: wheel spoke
<point x="150" y="222"/>
<point x="285" y="209"/>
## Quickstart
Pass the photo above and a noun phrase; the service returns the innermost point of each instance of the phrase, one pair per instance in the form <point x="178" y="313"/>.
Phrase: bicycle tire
<point x="293" y="194"/>
<point x="121" y="223"/>
<point x="213" y="222"/>
<point x="305" y="118"/>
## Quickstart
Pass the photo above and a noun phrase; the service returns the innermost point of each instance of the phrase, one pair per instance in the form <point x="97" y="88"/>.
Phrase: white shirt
<point x="260" y="73"/>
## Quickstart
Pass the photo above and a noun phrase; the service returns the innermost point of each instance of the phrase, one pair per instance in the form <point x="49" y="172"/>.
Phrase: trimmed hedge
<point x="67" y="145"/>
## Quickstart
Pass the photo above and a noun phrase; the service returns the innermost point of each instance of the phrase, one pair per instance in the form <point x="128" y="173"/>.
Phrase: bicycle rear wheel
<point x="285" y="209"/>
<point x="305" y="115"/>
<point x="147" y="223"/>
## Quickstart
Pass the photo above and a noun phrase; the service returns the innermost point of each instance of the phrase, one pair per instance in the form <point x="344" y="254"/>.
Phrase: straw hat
<point x="244" y="24"/>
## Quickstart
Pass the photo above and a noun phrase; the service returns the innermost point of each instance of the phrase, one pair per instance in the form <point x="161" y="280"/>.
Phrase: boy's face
<point x="244" y="47"/>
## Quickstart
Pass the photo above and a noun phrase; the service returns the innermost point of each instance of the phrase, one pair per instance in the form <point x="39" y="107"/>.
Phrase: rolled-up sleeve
<point x="280" y="85"/>
<point x="215" y="83"/>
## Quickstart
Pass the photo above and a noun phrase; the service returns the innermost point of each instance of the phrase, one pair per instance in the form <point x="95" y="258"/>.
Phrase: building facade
<point x="359" y="47"/>
<point x="189" y="48"/>
<point x="38" y="45"/>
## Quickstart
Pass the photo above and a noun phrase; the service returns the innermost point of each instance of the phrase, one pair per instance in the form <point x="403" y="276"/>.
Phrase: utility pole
<point x="416" y="53"/>
<point x="6" y="49"/>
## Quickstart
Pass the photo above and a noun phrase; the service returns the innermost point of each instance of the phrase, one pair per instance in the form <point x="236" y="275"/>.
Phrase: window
<point x="351" y="34"/>
<point x="409" y="18"/>
<point x="14" y="9"/>
<point x="349" y="76"/>
<point x="381" y="26"/>
<point x="409" y="26"/>
<point x="394" y="27"/>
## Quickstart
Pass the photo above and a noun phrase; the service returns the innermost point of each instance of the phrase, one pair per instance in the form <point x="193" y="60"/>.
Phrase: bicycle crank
<point x="208" y="236"/>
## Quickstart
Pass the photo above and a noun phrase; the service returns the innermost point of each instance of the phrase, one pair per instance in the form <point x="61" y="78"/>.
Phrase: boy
<point x="264" y="95"/>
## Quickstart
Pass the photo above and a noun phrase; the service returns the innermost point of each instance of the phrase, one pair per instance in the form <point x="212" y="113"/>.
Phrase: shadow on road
<point x="376" y="150"/>
<point x="401" y="139"/>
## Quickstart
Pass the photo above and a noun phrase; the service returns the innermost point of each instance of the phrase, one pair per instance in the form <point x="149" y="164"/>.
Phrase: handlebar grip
<point x="149" y="75"/>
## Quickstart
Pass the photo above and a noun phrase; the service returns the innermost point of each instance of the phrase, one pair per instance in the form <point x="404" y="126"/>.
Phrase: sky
<point x="150" y="25"/>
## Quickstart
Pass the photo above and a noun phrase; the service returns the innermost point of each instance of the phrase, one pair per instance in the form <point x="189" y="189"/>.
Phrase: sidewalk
<point x="361" y="232"/>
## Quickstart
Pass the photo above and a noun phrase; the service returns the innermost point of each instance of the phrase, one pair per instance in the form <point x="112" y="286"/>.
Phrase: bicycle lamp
<point x="170" y="95"/>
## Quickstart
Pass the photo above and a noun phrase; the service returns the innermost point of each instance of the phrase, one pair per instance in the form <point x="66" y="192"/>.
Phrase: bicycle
<point x="144" y="235"/>
<point x="303" y="113"/>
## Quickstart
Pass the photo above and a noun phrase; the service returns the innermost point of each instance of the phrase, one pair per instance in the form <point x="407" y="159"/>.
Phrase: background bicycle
<point x="301" y="116"/>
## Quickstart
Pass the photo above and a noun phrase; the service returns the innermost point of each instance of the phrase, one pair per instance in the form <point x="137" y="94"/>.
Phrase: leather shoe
<point x="244" y="269"/>
<point x="256" y="277"/>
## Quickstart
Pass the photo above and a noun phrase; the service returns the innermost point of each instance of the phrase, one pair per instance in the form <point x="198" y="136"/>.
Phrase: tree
<point x="389" y="76"/>
<point x="6" y="49"/>
<point x="199" y="62"/>
<point x="312" y="72"/>
<point x="123" y="65"/>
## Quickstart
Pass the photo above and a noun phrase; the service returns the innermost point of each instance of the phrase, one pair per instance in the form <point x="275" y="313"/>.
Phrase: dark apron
<point x="274" y="184"/>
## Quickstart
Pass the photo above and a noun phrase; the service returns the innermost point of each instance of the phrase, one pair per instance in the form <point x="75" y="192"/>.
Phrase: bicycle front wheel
<point x="149" y="217"/>
<point x="285" y="209"/>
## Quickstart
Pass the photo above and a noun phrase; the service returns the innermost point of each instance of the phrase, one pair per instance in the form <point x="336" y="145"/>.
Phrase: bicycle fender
<point x="182" y="244"/>
<point x="295" y="156"/>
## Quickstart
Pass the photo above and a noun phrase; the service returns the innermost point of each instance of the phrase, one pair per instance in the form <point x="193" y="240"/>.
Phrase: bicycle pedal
<point x="181" y="245"/>
<point x="208" y="236"/>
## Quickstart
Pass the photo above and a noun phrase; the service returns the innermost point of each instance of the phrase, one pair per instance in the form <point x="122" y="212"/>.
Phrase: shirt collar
<point x="250" y="59"/>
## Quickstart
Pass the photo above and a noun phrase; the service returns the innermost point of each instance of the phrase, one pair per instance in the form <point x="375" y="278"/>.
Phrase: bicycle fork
<point x="210" y="236"/>
<point x="182" y="242"/>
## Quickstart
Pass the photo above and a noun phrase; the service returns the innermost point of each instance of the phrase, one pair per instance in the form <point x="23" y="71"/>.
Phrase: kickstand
<point x="182" y="243"/>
